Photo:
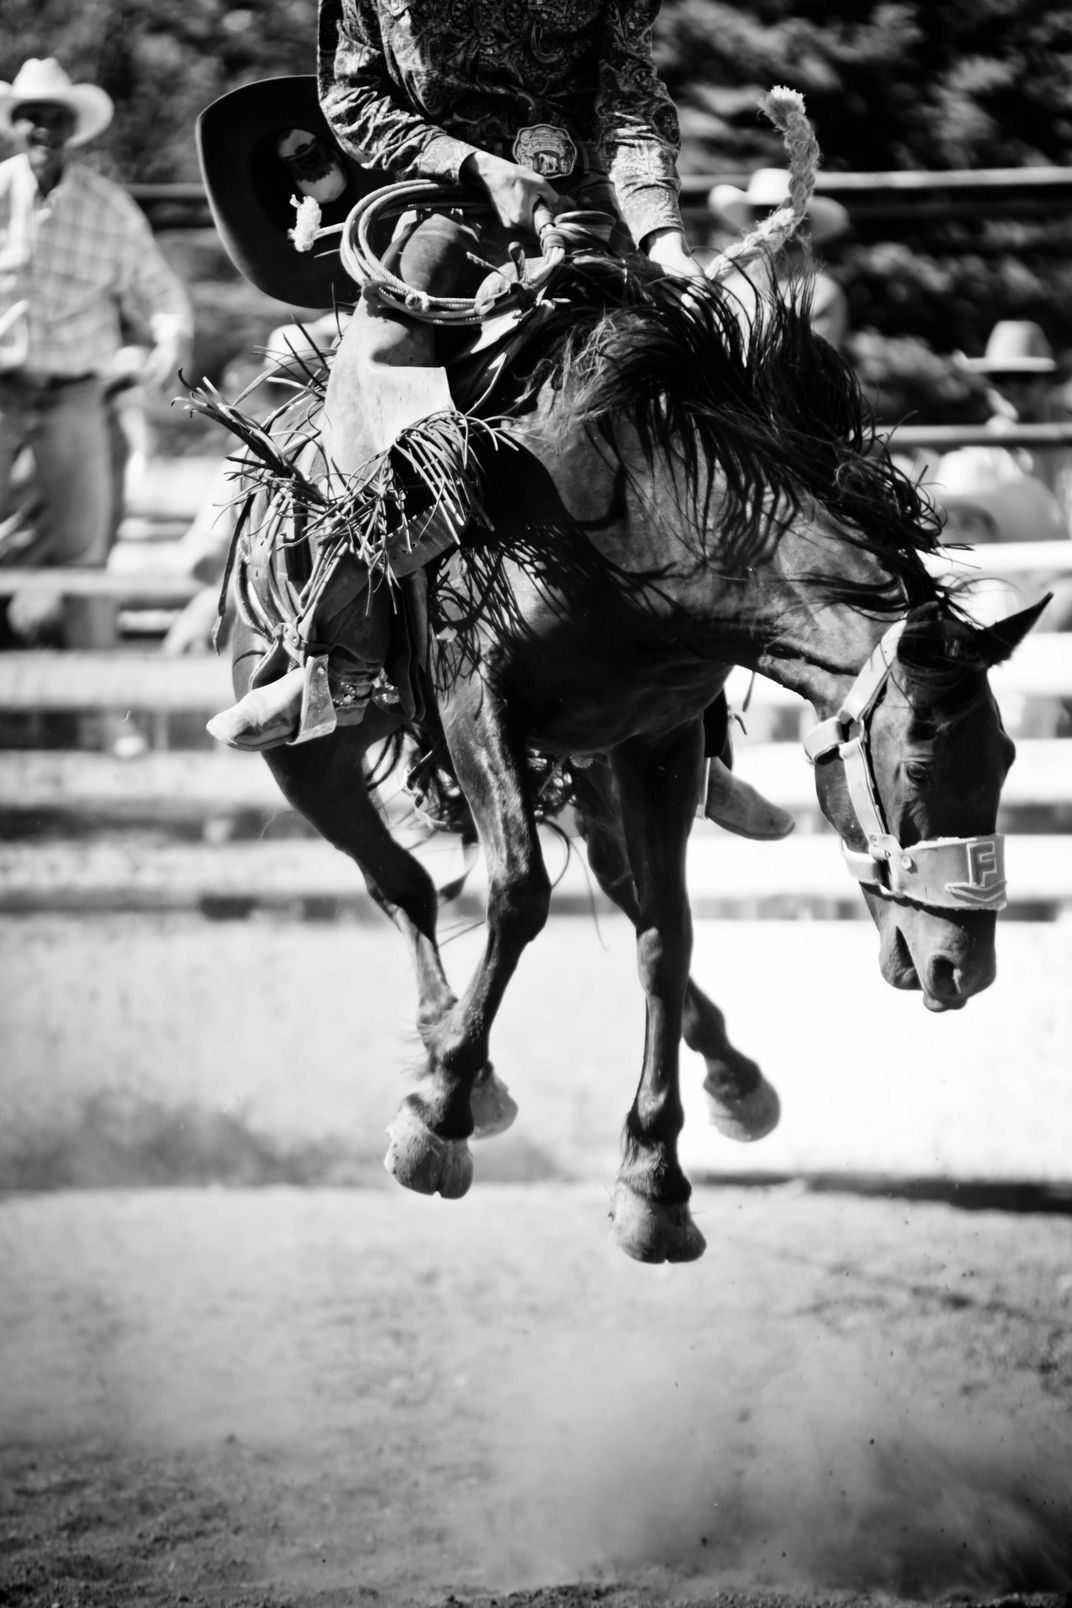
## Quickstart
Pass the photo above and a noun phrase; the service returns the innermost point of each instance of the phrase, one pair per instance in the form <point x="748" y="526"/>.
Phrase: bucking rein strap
<point x="951" y="873"/>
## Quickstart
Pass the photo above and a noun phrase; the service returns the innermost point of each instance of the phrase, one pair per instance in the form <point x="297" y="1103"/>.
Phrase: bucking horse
<point x="659" y="490"/>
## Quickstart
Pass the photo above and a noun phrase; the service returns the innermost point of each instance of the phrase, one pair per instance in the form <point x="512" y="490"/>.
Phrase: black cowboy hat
<point x="250" y="189"/>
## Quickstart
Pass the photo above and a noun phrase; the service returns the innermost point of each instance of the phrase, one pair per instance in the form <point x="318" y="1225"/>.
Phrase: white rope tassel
<point x="785" y="109"/>
<point x="307" y="224"/>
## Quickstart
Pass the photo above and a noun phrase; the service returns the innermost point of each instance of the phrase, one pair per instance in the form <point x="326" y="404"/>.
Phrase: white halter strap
<point x="949" y="873"/>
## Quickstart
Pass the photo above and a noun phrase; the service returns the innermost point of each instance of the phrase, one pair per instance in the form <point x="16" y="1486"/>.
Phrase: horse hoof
<point x="649" y="1231"/>
<point x="421" y="1160"/>
<point x="493" y="1107"/>
<point x="745" y="1117"/>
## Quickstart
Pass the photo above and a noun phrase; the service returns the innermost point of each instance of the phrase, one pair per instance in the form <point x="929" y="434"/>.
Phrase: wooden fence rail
<point x="136" y="587"/>
<point x="192" y="784"/>
<point x="48" y="680"/>
<point x="724" y="874"/>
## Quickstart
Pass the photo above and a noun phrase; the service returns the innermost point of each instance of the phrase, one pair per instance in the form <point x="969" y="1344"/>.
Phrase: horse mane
<point x="765" y="398"/>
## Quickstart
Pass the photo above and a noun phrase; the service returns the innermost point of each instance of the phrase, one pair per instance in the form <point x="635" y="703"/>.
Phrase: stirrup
<point x="294" y="708"/>
<point x="318" y="717"/>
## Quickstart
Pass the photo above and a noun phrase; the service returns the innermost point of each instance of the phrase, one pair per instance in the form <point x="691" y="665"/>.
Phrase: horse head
<point x="909" y="772"/>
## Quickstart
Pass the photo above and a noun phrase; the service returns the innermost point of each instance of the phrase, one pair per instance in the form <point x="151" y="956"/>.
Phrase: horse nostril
<point x="943" y="979"/>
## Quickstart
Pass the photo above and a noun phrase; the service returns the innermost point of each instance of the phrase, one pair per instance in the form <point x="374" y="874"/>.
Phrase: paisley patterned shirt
<point x="414" y="86"/>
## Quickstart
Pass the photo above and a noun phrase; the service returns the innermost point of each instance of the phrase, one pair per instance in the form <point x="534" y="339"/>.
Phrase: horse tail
<point x="785" y="109"/>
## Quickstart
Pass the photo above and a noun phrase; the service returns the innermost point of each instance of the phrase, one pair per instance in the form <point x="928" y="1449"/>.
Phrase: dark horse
<point x="674" y="493"/>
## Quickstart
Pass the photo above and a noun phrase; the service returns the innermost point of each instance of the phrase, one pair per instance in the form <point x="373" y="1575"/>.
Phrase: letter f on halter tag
<point x="987" y="874"/>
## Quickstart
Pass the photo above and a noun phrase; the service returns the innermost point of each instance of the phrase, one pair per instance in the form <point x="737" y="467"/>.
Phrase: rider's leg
<point x="731" y="803"/>
<point x="384" y="378"/>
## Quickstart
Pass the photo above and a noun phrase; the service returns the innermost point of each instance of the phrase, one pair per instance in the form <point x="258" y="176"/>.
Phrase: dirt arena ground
<point x="239" y="1366"/>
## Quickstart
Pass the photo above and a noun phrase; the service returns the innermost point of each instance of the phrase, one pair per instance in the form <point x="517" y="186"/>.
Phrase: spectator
<point x="1018" y="369"/>
<point x="987" y="497"/>
<point x="826" y="221"/>
<point x="76" y="257"/>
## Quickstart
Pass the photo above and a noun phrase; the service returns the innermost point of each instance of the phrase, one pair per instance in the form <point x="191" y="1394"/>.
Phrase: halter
<point x="951" y="873"/>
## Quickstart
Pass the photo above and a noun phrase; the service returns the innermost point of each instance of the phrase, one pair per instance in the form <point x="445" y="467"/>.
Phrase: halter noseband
<point x="951" y="873"/>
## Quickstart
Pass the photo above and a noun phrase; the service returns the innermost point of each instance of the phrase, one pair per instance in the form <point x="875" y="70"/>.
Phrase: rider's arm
<point x="363" y="107"/>
<point x="639" y="134"/>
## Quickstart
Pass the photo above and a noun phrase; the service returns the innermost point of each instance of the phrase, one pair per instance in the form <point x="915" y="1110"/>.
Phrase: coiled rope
<point x="363" y="263"/>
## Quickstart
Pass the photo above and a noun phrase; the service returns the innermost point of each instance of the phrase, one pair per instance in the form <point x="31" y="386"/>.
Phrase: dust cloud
<point x="764" y="1459"/>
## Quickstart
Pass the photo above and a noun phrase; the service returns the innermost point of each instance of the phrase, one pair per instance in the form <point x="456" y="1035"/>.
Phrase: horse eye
<point x="917" y="772"/>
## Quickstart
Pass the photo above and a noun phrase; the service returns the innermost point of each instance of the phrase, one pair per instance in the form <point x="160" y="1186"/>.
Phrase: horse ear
<point x="998" y="641"/>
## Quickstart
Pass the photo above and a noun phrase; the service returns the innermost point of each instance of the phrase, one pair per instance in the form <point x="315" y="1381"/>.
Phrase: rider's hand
<point x="670" y="249"/>
<point x="514" y="191"/>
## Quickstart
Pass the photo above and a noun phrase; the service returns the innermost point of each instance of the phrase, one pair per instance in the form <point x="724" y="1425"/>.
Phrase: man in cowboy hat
<point x="1018" y="369"/>
<point x="988" y="498"/>
<point x="532" y="115"/>
<point x="76" y="257"/>
<point x="737" y="211"/>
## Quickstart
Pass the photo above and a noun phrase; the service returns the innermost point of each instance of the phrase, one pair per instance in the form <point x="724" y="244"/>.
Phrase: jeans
<point x="66" y="427"/>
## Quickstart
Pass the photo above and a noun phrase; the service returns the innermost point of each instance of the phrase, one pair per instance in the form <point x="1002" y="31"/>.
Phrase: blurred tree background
<point x="889" y="84"/>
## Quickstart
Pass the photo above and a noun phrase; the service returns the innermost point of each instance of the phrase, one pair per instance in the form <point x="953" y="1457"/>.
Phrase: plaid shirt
<point x="414" y="86"/>
<point x="70" y="264"/>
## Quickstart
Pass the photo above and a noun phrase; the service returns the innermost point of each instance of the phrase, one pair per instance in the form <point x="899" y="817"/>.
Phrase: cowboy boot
<point x="738" y="807"/>
<point x="265" y="716"/>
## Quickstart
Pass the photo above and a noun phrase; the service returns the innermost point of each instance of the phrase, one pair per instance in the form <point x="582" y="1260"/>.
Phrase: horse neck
<point x="810" y="645"/>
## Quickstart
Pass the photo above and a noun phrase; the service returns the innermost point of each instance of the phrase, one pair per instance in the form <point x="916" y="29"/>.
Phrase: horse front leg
<point x="657" y="789"/>
<point x="459" y="1092"/>
<point x="741" y="1103"/>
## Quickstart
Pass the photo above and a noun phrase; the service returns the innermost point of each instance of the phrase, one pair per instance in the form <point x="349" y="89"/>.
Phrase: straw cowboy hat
<point x="242" y="144"/>
<point x="40" y="80"/>
<point x="986" y="482"/>
<point x="768" y="188"/>
<point x="1015" y="346"/>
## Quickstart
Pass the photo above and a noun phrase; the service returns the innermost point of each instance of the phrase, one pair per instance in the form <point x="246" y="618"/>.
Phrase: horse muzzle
<point x="948" y="959"/>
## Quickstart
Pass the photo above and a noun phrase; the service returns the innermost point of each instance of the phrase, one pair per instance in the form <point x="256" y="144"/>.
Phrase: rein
<point x="950" y="873"/>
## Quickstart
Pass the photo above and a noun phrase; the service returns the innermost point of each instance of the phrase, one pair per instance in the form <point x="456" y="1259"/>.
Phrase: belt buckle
<point x="548" y="150"/>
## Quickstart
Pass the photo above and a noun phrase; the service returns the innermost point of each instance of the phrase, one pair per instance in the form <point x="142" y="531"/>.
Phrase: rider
<point x="535" y="104"/>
